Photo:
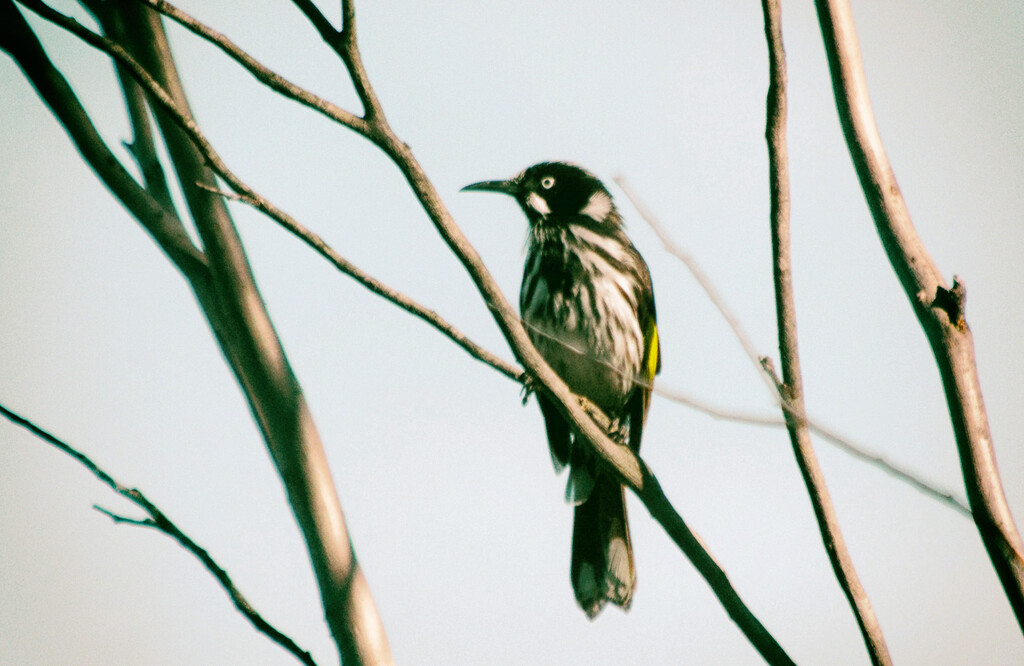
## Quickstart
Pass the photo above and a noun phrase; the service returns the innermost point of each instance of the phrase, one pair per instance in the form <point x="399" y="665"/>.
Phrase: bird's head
<point x="556" y="193"/>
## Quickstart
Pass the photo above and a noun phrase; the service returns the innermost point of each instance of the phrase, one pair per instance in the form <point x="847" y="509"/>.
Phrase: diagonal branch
<point x="264" y="372"/>
<point x="159" y="521"/>
<point x="231" y="302"/>
<point x="691" y="265"/>
<point x="320" y="246"/>
<point x="791" y="388"/>
<point x="163" y="225"/>
<point x="938" y="307"/>
<point x="143" y="145"/>
<point x="625" y="464"/>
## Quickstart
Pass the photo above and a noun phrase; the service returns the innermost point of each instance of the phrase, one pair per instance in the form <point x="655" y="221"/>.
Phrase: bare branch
<point x="939" y="309"/>
<point x="321" y="247"/>
<point x="142" y="146"/>
<point x="163" y="225"/>
<point x="625" y="464"/>
<point x="249" y="196"/>
<point x="263" y="371"/>
<point x="238" y="317"/>
<point x="843" y="443"/>
<point x="261" y="72"/>
<point x="159" y="521"/>
<point x="691" y="264"/>
<point x="343" y="42"/>
<point x="791" y="389"/>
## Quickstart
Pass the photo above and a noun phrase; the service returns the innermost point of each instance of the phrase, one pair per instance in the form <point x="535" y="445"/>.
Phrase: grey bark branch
<point x="791" y="387"/>
<point x="158" y="520"/>
<point x="939" y="308"/>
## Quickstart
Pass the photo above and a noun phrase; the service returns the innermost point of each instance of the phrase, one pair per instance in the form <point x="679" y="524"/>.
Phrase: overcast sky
<point x="445" y="478"/>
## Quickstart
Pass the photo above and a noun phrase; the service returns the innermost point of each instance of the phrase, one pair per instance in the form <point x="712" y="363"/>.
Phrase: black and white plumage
<point x="588" y="306"/>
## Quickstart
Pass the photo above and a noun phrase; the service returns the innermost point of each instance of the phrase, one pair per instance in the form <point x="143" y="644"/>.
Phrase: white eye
<point x="547" y="182"/>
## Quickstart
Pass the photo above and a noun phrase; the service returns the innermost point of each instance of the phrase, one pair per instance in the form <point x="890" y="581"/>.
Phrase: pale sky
<point x="444" y="476"/>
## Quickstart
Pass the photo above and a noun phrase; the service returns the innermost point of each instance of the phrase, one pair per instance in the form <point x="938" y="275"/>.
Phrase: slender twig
<point x="667" y="393"/>
<point x="938" y="307"/>
<point x="695" y="269"/>
<point x="791" y="387"/>
<point x="261" y="72"/>
<point x="343" y="42"/>
<point x="843" y="443"/>
<point x="321" y="247"/>
<point x="158" y="520"/>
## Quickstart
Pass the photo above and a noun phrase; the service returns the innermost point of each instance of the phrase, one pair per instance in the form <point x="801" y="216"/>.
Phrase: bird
<point x="587" y="303"/>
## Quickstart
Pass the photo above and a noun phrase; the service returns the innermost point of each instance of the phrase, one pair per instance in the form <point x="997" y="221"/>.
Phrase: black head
<point x="553" y="192"/>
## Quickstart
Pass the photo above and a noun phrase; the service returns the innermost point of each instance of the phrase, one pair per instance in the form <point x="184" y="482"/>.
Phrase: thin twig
<point x="261" y="72"/>
<point x="695" y="269"/>
<point x="673" y="395"/>
<point x="158" y="520"/>
<point x="321" y="247"/>
<point x="938" y="307"/>
<point x="843" y="443"/>
<point x="791" y="388"/>
<point x="343" y="42"/>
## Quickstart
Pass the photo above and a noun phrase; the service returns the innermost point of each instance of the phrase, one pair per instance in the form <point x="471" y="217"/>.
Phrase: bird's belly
<point x="593" y="343"/>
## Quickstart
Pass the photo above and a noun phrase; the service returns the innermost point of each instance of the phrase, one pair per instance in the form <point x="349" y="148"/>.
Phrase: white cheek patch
<point x="598" y="206"/>
<point x="537" y="202"/>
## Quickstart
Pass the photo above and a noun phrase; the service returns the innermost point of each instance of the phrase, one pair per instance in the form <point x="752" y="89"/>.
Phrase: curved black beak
<point x="509" y="187"/>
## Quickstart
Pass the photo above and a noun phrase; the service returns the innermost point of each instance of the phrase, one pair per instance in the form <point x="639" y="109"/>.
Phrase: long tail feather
<point x="602" y="557"/>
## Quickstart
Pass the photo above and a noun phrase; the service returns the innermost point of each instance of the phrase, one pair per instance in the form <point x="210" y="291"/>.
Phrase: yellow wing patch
<point x="652" y="364"/>
<point x="653" y="349"/>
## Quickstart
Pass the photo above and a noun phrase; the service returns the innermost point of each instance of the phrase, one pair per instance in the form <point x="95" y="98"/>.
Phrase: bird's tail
<point x="602" y="557"/>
